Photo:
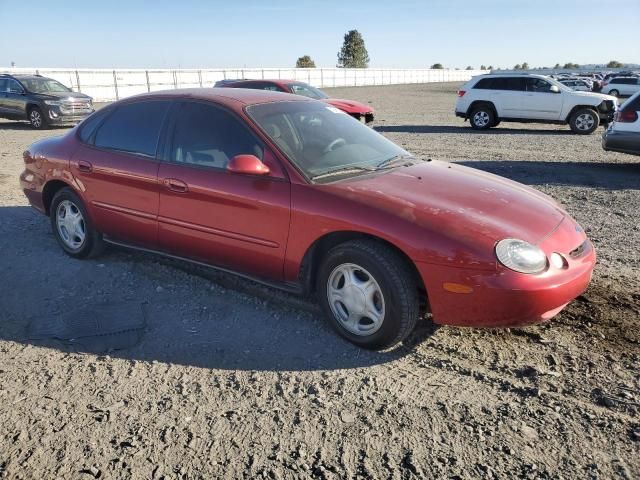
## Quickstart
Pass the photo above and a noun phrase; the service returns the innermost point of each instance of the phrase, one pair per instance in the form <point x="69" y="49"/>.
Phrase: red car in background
<point x="358" y="110"/>
<point x="295" y="193"/>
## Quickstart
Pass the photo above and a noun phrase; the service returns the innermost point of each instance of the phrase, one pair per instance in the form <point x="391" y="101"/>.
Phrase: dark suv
<point x="42" y="101"/>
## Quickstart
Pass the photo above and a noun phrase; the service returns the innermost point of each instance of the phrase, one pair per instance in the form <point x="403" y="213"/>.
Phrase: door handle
<point x="85" y="166"/>
<point x="175" y="185"/>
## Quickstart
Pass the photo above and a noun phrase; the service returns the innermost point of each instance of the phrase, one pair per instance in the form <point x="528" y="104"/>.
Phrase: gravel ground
<point x="219" y="377"/>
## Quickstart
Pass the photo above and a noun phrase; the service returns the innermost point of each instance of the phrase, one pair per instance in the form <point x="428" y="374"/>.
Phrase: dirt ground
<point x="220" y="378"/>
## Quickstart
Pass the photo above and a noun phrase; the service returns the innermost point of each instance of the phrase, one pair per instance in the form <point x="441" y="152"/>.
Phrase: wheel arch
<point x="32" y="105"/>
<point x="477" y="103"/>
<point x="49" y="191"/>
<point x="322" y="245"/>
<point x="580" y="107"/>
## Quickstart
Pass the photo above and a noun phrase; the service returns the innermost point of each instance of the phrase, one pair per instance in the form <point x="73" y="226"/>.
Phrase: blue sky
<point x="273" y="33"/>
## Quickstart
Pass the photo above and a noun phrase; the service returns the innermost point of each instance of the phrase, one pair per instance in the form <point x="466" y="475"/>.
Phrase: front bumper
<point x="504" y="298"/>
<point x="621" y="141"/>
<point x="56" y="116"/>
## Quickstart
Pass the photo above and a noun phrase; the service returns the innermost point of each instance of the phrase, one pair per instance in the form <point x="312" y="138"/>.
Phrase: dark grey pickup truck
<point x="42" y="101"/>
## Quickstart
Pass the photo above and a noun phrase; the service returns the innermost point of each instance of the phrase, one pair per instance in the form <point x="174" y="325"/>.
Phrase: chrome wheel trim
<point x="35" y="118"/>
<point x="481" y="118"/>
<point x="70" y="224"/>
<point x="585" y="121"/>
<point x="355" y="299"/>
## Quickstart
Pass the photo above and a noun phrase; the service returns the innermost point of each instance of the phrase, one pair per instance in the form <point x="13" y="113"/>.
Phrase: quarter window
<point x="133" y="128"/>
<point x="208" y="136"/>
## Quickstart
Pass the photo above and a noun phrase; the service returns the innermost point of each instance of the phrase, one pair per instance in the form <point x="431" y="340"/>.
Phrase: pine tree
<point x="305" y="62"/>
<point x="353" y="53"/>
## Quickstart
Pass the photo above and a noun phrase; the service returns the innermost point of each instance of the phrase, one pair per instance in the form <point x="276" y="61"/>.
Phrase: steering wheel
<point x="338" y="142"/>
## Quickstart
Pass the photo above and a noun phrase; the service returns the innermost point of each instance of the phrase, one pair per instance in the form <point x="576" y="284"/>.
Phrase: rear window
<point x="633" y="103"/>
<point x="502" y="83"/>
<point x="133" y="128"/>
<point x="625" y="81"/>
<point x="88" y="126"/>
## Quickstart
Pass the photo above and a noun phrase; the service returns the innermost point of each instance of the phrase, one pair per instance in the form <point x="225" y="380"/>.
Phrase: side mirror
<point x="554" y="89"/>
<point x="247" y="164"/>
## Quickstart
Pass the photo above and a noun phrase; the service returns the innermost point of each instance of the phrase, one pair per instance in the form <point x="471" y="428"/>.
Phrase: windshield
<point x="307" y="91"/>
<point x="43" y="85"/>
<point x="324" y="141"/>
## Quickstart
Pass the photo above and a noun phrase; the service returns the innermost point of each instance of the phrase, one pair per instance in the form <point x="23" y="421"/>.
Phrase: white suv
<point x="621" y="86"/>
<point x="487" y="100"/>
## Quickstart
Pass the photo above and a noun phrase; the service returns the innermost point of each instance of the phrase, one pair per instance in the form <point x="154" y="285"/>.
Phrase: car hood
<point x="63" y="95"/>
<point x="457" y="201"/>
<point x="348" y="106"/>
<point x="595" y="96"/>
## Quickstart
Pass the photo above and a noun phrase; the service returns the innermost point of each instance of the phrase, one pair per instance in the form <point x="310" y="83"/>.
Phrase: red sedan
<point x="295" y="193"/>
<point x="358" y="110"/>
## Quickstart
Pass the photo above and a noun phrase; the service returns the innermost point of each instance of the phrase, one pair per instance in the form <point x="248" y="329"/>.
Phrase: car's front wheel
<point x="72" y="226"/>
<point x="482" y="118"/>
<point x="36" y="118"/>
<point x="368" y="293"/>
<point x="584" y="121"/>
<point x="615" y="93"/>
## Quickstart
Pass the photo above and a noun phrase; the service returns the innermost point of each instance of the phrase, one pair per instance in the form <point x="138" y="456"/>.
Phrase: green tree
<point x="353" y="53"/>
<point x="469" y="68"/>
<point x="437" y="66"/>
<point x="615" y="64"/>
<point x="490" y="67"/>
<point x="517" y="67"/>
<point x="482" y="67"/>
<point x="305" y="62"/>
<point x="525" y="66"/>
<point x="571" y="65"/>
<point x="557" y="66"/>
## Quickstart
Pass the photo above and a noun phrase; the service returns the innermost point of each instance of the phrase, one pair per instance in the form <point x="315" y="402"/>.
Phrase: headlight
<point x="521" y="256"/>
<point x="52" y="102"/>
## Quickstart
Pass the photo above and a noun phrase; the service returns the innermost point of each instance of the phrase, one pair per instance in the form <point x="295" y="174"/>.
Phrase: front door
<point x="540" y="102"/>
<point x="117" y="170"/>
<point x="235" y="221"/>
<point x="15" y="100"/>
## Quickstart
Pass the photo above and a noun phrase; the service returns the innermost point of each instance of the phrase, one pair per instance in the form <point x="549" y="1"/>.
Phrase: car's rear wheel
<point x="584" y="121"/>
<point x="368" y="293"/>
<point x="72" y="226"/>
<point x="482" y="118"/>
<point x="36" y="118"/>
<point x="615" y="93"/>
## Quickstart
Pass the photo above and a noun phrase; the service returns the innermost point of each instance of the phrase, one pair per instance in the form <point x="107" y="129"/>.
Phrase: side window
<point x="3" y="85"/>
<point x="88" y="126"/>
<point x="209" y="136"/>
<point x="272" y="87"/>
<point x="133" y="127"/>
<point x="538" y="85"/>
<point x="508" y="83"/>
<point x="484" y="84"/>
<point x="14" y="87"/>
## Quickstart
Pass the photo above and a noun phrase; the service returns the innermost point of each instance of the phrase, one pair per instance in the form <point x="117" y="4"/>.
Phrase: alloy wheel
<point x="35" y="117"/>
<point x="481" y="118"/>
<point x="585" y="121"/>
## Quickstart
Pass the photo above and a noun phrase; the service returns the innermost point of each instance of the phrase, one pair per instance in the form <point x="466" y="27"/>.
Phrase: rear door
<point x="117" y="169"/>
<point x="235" y="221"/>
<point x="539" y="101"/>
<point x="506" y="94"/>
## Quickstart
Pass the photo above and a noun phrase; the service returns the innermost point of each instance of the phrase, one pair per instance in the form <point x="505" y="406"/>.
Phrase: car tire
<point x="614" y="93"/>
<point x="584" y="121"/>
<point x="36" y="118"/>
<point x="72" y="226"/>
<point x="495" y="123"/>
<point x="482" y="118"/>
<point x="368" y="294"/>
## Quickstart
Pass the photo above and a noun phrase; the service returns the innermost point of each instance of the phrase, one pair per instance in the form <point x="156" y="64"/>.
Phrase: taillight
<point x="461" y="93"/>
<point x="626" y="116"/>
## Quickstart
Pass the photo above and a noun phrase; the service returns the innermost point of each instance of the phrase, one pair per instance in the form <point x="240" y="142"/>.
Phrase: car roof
<point x="245" y="96"/>
<point x="20" y="75"/>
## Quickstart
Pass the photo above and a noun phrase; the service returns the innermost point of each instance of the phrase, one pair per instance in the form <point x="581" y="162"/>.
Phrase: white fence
<point x="108" y="85"/>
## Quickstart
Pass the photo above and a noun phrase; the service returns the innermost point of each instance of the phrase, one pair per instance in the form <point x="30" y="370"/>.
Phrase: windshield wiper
<point x="389" y="162"/>
<point x="343" y="170"/>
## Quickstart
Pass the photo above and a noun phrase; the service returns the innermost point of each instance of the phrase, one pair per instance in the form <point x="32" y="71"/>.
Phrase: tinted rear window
<point x="133" y="127"/>
<point x="506" y="83"/>
<point x="626" y="81"/>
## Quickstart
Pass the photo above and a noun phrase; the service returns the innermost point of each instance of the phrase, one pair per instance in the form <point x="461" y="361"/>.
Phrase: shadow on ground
<point x="466" y="130"/>
<point x="142" y="307"/>
<point x="610" y="176"/>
